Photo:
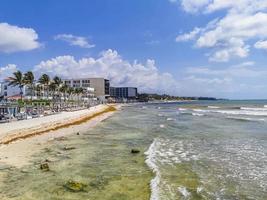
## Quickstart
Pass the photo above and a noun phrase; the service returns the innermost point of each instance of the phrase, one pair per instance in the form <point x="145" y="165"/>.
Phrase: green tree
<point x="57" y="82"/>
<point x="28" y="80"/>
<point x="64" y="89"/>
<point x="78" y="92"/>
<point x="17" y="80"/>
<point x="45" y="80"/>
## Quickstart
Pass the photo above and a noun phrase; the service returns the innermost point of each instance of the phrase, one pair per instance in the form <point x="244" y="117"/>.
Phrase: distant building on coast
<point x="8" y="91"/>
<point x="124" y="92"/>
<point x="101" y="86"/>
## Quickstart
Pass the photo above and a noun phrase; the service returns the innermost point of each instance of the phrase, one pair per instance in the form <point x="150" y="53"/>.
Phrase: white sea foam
<point x="151" y="163"/>
<point x="213" y="107"/>
<point x="197" y="114"/>
<point x="162" y="126"/>
<point x="184" y="191"/>
<point x="234" y="112"/>
<point x="265" y="106"/>
<point x="170" y="119"/>
<point x="199" y="189"/>
<point x="247" y="119"/>
<point x="182" y="109"/>
<point x="254" y="109"/>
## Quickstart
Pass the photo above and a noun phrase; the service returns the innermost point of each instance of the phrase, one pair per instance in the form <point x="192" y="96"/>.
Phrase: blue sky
<point x="182" y="47"/>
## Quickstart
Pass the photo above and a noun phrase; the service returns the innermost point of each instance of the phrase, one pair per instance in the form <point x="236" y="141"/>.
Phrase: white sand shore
<point x="19" y="152"/>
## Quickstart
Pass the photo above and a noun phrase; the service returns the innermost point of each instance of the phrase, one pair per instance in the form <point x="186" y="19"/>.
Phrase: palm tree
<point x="78" y="92"/>
<point x="57" y="82"/>
<point x="70" y="91"/>
<point x="52" y="87"/>
<point x="17" y="80"/>
<point x="28" y="79"/>
<point x="64" y="89"/>
<point x="38" y="88"/>
<point x="45" y="80"/>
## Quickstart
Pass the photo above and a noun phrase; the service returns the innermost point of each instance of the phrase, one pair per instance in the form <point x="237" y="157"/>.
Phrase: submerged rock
<point x="78" y="133"/>
<point x="44" y="167"/>
<point x="135" y="151"/>
<point x="68" y="148"/>
<point x="74" y="186"/>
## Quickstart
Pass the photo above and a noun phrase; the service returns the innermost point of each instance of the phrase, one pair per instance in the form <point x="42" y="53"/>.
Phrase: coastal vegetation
<point x="165" y="97"/>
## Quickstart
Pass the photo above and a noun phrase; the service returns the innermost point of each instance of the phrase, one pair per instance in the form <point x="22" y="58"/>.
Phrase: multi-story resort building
<point x="100" y="85"/>
<point x="8" y="91"/>
<point x="93" y="87"/>
<point x="123" y="92"/>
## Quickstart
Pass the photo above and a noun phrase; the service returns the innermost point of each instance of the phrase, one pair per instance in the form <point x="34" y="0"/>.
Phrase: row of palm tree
<point x="51" y="87"/>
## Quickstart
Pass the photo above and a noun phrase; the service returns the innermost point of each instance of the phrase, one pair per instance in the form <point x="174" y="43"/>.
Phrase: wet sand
<point x="18" y="152"/>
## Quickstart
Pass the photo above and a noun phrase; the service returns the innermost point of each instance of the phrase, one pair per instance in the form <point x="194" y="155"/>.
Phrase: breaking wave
<point x="246" y="119"/>
<point x="151" y="163"/>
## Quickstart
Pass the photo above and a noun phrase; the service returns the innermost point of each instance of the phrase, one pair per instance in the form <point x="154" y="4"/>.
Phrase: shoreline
<point x="16" y="150"/>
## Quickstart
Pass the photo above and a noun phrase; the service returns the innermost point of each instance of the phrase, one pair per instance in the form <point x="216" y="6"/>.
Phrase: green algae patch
<point x="75" y="186"/>
<point x="99" y="183"/>
<point x="182" y="177"/>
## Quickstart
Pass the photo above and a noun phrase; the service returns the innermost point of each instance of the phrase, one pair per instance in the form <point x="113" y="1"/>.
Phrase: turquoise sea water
<point x="194" y="150"/>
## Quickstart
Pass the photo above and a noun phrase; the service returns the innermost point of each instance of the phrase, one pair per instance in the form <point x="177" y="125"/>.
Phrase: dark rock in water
<point x="68" y="148"/>
<point x="78" y="133"/>
<point x="44" y="167"/>
<point x="47" y="160"/>
<point x="61" y="138"/>
<point x="134" y="151"/>
<point x="74" y="186"/>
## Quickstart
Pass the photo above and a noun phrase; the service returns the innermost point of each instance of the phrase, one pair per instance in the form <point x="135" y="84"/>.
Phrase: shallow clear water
<point x="197" y="150"/>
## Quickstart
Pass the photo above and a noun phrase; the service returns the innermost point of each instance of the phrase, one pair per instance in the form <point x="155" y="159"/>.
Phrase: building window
<point x="5" y="87"/>
<point x="85" y="83"/>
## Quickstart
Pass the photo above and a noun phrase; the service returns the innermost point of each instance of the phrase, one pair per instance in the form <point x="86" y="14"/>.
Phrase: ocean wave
<point x="234" y="112"/>
<point x="170" y="119"/>
<point x="197" y="114"/>
<point x="246" y="119"/>
<point x="184" y="191"/>
<point x="151" y="163"/>
<point x="182" y="109"/>
<point x="213" y="107"/>
<point x="253" y="108"/>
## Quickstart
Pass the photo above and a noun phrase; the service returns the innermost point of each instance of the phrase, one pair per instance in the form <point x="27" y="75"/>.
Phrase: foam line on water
<point x="151" y="163"/>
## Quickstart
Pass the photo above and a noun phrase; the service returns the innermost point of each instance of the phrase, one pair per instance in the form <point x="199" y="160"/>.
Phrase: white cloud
<point x="193" y="6"/>
<point x="228" y="37"/>
<point x="7" y="71"/>
<point x="262" y="44"/>
<point x="15" y="39"/>
<point x="188" y="36"/>
<point x="233" y="81"/>
<point x="110" y="65"/>
<point x="74" y="40"/>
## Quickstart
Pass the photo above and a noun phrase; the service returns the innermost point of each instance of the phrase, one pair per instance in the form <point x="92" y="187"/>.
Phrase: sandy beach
<point x="20" y="139"/>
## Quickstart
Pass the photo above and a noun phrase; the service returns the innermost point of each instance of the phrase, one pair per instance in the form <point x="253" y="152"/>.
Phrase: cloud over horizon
<point x="112" y="66"/>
